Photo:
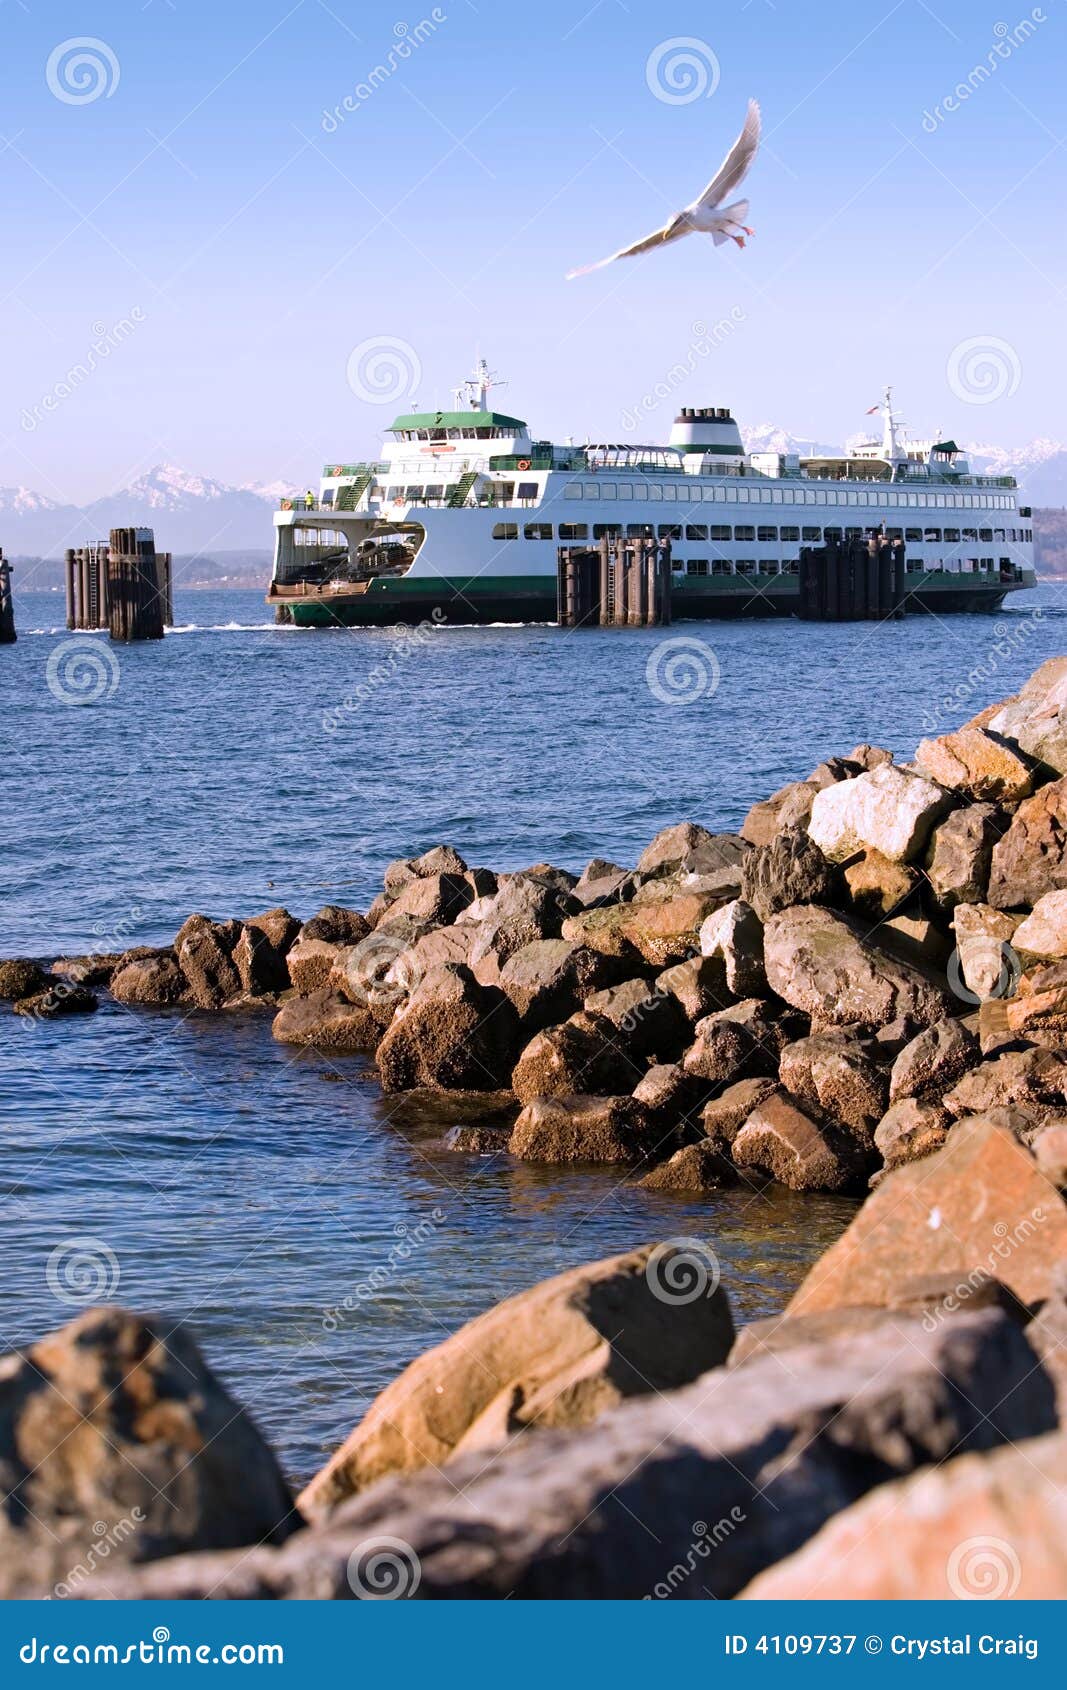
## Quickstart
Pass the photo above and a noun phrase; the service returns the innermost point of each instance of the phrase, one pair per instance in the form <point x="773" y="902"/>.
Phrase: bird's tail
<point x="735" y="213"/>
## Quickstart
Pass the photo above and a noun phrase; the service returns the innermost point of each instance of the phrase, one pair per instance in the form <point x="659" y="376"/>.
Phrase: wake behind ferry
<point x="464" y="511"/>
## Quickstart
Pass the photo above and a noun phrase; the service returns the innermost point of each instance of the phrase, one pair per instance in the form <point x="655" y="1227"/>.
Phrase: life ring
<point x="523" y="463"/>
<point x="398" y="501"/>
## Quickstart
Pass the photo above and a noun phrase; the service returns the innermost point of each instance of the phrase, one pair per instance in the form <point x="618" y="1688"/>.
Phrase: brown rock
<point x="1043" y="933"/>
<point x="94" y="969"/>
<point x="984" y="963"/>
<point x="524" y="909"/>
<point x="978" y="763"/>
<point x="260" y="964"/>
<point x="556" y="1355"/>
<point x="789" y="869"/>
<point x="451" y="1033"/>
<point x="836" y="1075"/>
<point x="1036" y="718"/>
<point x="63" y="997"/>
<point x="779" y="1140"/>
<point x="21" y="977"/>
<point x="551" y="978"/>
<point x="114" y="1418"/>
<point x="204" y="950"/>
<point x="311" y="963"/>
<point x="436" y="898"/>
<point x="734" y="934"/>
<point x="583" y="1055"/>
<point x="277" y="926"/>
<point x="877" y="886"/>
<point x="695" y="1167"/>
<point x="672" y="1100"/>
<point x="583" y="1129"/>
<point x="981" y="1526"/>
<point x="1037" y="1012"/>
<point x="1032" y="1081"/>
<point x="1050" y="1152"/>
<point x="152" y="979"/>
<point x="1031" y="859"/>
<point x="477" y="1141"/>
<point x="697" y="987"/>
<point x="959" y="855"/>
<point x="822" y="963"/>
<point x="334" y="924"/>
<point x="664" y="919"/>
<point x="736" y="1043"/>
<point x="979" y="1203"/>
<point x="648" y="1019"/>
<point x="911" y="1129"/>
<point x="326" y="1021"/>
<point x="933" y="1061"/>
<point x="726" y="1114"/>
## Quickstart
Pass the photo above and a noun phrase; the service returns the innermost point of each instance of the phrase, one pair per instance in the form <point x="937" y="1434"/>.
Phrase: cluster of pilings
<point x="7" y="604"/>
<point x="124" y="586"/>
<point x="853" y="580"/>
<point x="622" y="583"/>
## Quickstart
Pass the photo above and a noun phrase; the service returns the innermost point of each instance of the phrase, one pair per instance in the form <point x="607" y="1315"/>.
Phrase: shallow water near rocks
<point x="248" y="1189"/>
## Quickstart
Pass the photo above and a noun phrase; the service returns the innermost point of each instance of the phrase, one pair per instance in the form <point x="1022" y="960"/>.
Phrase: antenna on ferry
<point x="474" y="392"/>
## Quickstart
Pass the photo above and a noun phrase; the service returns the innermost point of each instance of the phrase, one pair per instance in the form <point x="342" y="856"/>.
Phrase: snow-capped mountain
<point x="768" y="437"/>
<point x="189" y="513"/>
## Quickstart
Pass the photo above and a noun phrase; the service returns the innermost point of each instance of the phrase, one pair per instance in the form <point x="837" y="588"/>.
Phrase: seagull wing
<point x="735" y="166"/>
<point x="659" y="237"/>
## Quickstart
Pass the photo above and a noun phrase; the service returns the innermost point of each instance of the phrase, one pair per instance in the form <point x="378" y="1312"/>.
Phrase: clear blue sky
<point x="258" y="244"/>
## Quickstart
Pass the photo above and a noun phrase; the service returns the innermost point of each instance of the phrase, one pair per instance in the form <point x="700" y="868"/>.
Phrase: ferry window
<point x="537" y="531"/>
<point x="327" y="500"/>
<point x="913" y="534"/>
<point x="414" y="492"/>
<point x="574" y="531"/>
<point x="952" y="536"/>
<point x="606" y="530"/>
<point x="640" y="490"/>
<point x="985" y="534"/>
<point x="697" y="566"/>
<point x="592" y="490"/>
<point x="722" y="566"/>
<point x="655" y="490"/>
<point x="720" y="531"/>
<point x="894" y="534"/>
<point x="573" y="490"/>
<point x="435" y="489"/>
<point x="712" y="492"/>
<point x="505" y="531"/>
<point x="483" y="434"/>
<point x="743" y="495"/>
<point x="746" y="566"/>
<point x="812" y="534"/>
<point x="640" y="531"/>
<point x="670" y="491"/>
<point x="791" y="567"/>
<point x="670" y="530"/>
<point x="608" y="489"/>
<point x="764" y="533"/>
<point x="527" y="489"/>
<point x="777" y="496"/>
<point x="696" y="531"/>
<point x="970" y="533"/>
<point x="677" y="564"/>
<point x="998" y="533"/>
<point x="394" y="492"/>
<point x="932" y="536"/>
<point x="833" y="535"/>
<point x="789" y="533"/>
<point x="820" y="497"/>
<point x="744" y="532"/>
<point x="770" y="566"/>
<point x="626" y="490"/>
<point x="731" y="495"/>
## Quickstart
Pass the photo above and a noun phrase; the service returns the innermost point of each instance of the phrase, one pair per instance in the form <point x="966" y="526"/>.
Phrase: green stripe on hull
<point x="532" y="598"/>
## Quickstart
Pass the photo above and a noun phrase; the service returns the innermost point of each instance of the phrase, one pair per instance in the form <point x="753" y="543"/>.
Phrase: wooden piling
<point x="134" y="601"/>
<point x="852" y="580"/>
<point x="620" y="583"/>
<point x="8" y="635"/>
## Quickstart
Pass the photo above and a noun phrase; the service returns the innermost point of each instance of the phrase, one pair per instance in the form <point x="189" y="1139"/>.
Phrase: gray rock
<point x="823" y="963"/>
<point x="780" y="1140"/>
<point x="585" y="1054"/>
<point x="451" y="1033"/>
<point x="789" y="869"/>
<point x="583" y="1129"/>
<point x="960" y="853"/>
<point x="910" y="1129"/>
<point x="934" y="1060"/>
<point x="837" y="1075"/>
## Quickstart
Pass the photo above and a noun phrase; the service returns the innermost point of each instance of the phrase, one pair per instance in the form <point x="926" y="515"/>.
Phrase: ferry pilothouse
<point x="463" y="513"/>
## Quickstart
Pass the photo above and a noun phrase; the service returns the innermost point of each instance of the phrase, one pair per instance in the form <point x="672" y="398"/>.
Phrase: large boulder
<point x="934" y="1060"/>
<point x="911" y="1128"/>
<point x="61" y="998"/>
<point x="21" y="977"/>
<point x="155" y="978"/>
<point x="260" y="957"/>
<point x="695" y="1167"/>
<point x="524" y="910"/>
<point x="878" y="886"/>
<point x="687" y="848"/>
<point x="1036" y="718"/>
<point x="886" y="809"/>
<point x="977" y="763"/>
<point x="959" y="855"/>
<point x="736" y="1043"/>
<point x="984" y="963"/>
<point x="437" y="898"/>
<point x="837" y="1075"/>
<point x="978" y="1204"/>
<point x="664" y="919"/>
<point x="204" y="949"/>
<point x="583" y="1129"/>
<point x="1032" y="1081"/>
<point x="1043" y="933"/>
<point x="760" y="1457"/>
<point x="789" y="869"/>
<point x="1031" y="859"/>
<point x="649" y="1019"/>
<point x="672" y="1100"/>
<point x="783" y="1142"/>
<point x="311" y="962"/>
<point x="115" y="1421"/>
<point x="981" y="1527"/>
<point x="451" y="1033"/>
<point x="559" y="1354"/>
<point x="336" y="925"/>
<point x="551" y="978"/>
<point x="725" y="1115"/>
<point x="734" y="933"/>
<point x="695" y="988"/>
<point x="327" y="1022"/>
<point x="823" y="963"/>
<point x="585" y="1054"/>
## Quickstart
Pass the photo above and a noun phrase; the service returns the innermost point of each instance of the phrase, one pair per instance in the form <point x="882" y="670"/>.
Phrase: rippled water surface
<point x="249" y="1189"/>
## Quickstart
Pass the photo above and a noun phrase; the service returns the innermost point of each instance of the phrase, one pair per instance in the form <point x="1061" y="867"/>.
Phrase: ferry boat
<point x="461" y="518"/>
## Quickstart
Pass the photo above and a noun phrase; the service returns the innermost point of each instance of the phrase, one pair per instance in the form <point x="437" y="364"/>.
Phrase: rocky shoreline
<point x="862" y="991"/>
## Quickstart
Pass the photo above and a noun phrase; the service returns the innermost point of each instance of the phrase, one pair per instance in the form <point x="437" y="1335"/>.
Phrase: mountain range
<point x="195" y="513"/>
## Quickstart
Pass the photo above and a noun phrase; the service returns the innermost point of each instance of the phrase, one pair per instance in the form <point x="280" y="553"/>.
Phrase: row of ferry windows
<point x="762" y="532"/>
<point x="686" y="493"/>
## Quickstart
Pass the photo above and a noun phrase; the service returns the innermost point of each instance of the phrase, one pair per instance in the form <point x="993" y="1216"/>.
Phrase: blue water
<point x="246" y="1189"/>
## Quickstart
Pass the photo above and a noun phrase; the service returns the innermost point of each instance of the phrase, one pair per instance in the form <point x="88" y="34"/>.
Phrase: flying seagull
<point x="707" y="215"/>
